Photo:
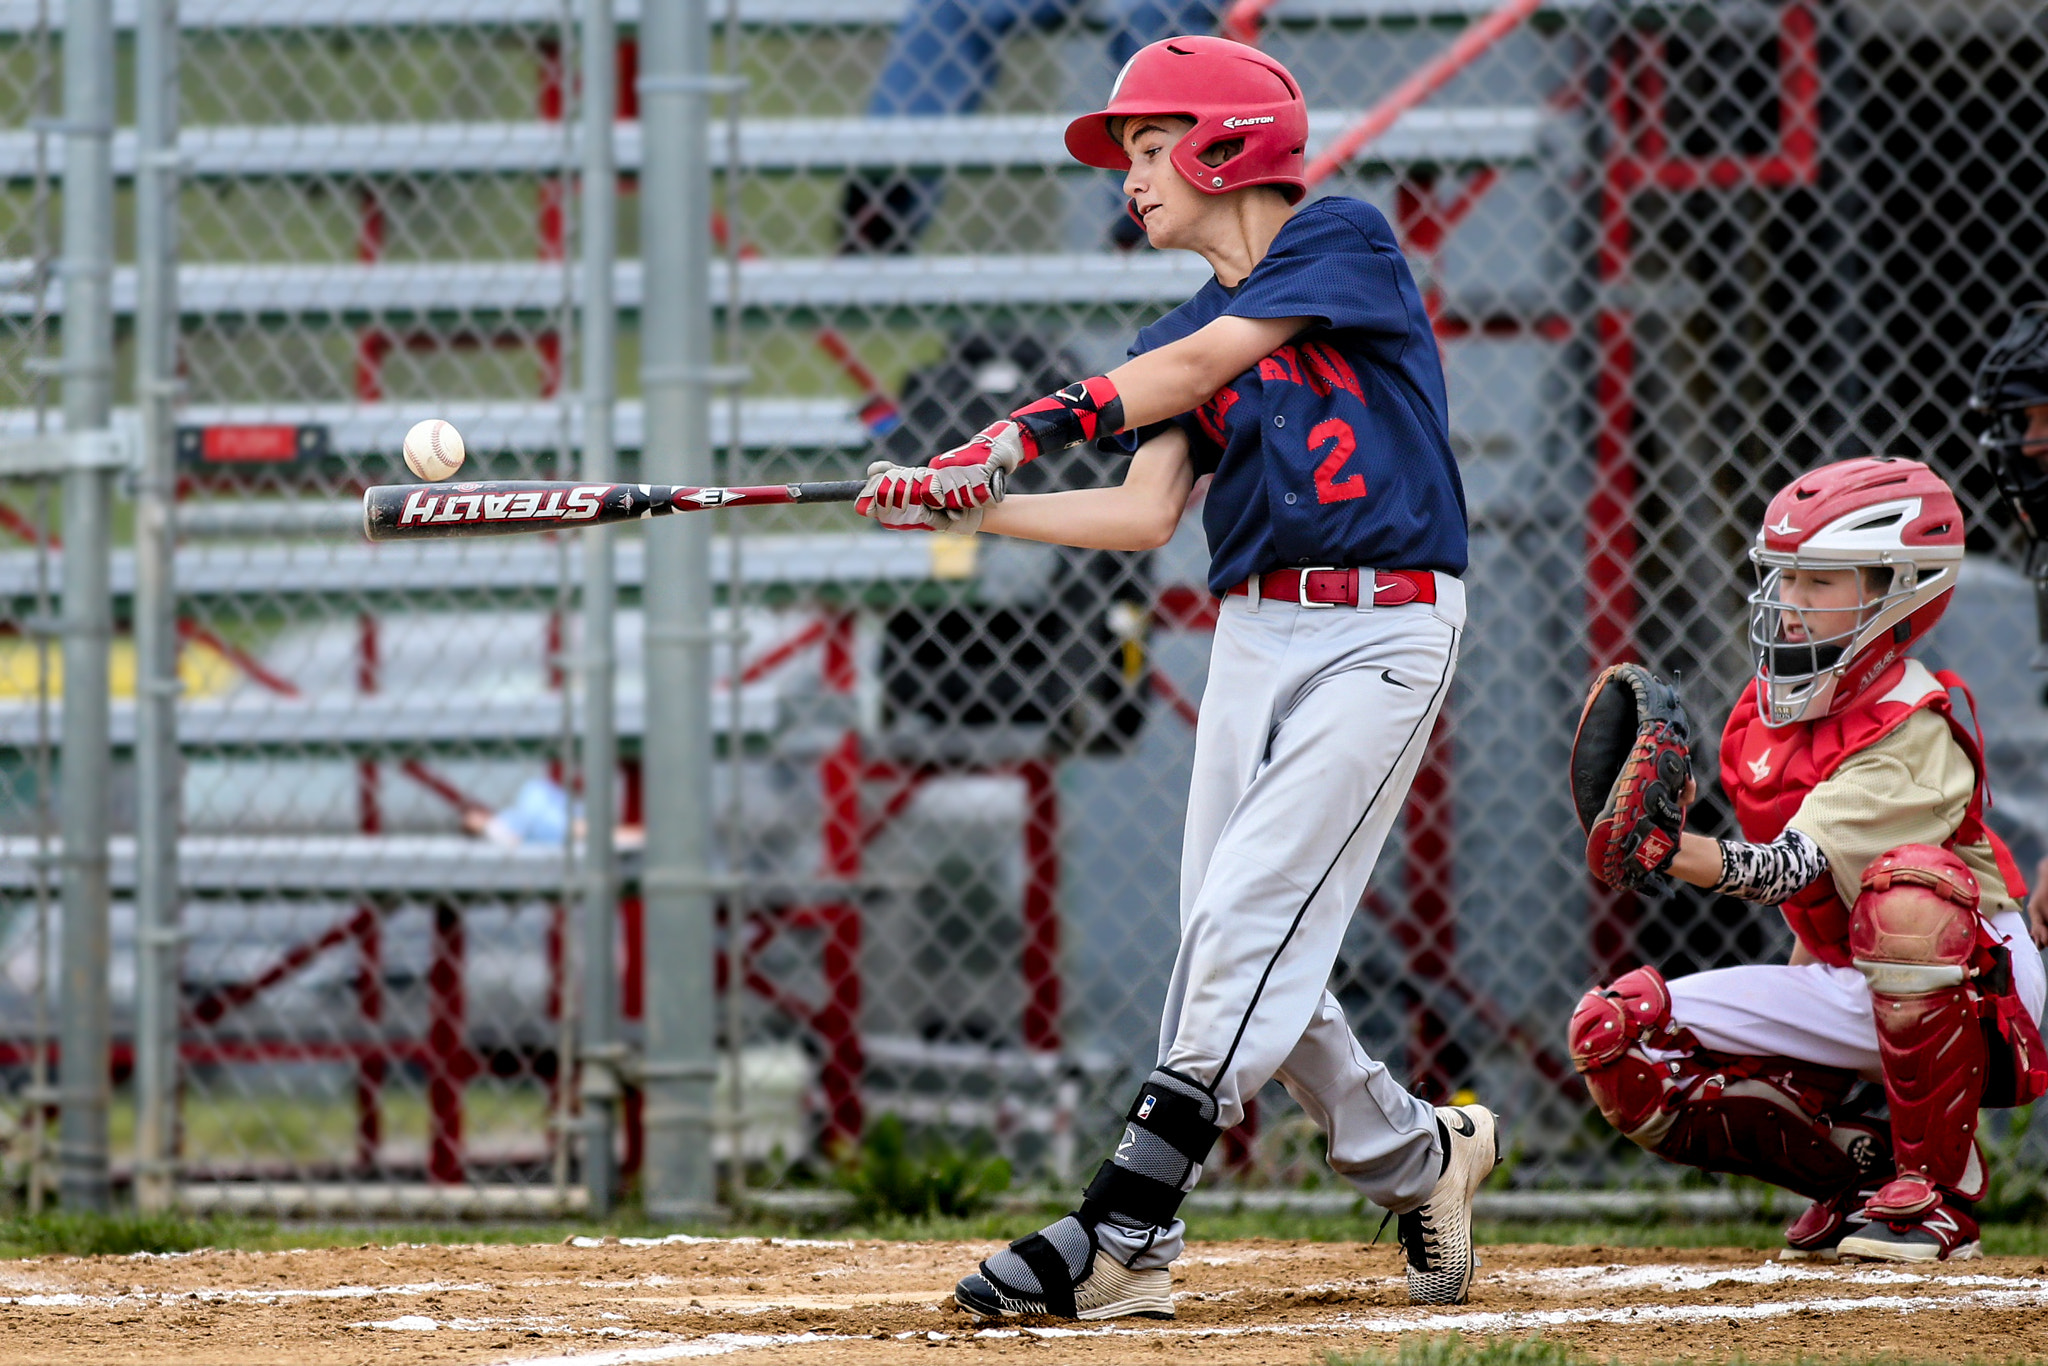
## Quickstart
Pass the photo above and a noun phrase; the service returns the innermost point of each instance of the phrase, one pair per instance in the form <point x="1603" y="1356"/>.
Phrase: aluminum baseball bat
<point x="401" y="512"/>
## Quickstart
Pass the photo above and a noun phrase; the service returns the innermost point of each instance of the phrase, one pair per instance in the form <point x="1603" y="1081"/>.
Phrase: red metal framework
<point x="1639" y="157"/>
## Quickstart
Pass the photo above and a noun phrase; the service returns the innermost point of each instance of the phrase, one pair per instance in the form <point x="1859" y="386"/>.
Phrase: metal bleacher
<point x="766" y="146"/>
<point x="1486" y="135"/>
<point x="396" y="725"/>
<point x="1456" y="136"/>
<point x="471" y="573"/>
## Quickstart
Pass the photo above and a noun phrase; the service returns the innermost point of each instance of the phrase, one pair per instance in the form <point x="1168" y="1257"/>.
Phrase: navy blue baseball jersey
<point x="1335" y="449"/>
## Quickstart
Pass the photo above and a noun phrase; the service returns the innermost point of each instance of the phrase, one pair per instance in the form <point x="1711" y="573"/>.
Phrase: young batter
<point x="1860" y="794"/>
<point x="1305" y="378"/>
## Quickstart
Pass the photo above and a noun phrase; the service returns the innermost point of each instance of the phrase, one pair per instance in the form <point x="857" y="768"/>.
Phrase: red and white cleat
<point x="1912" y="1220"/>
<point x="1817" y="1234"/>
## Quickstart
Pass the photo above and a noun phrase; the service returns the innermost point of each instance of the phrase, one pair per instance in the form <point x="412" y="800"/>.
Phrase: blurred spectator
<point x="540" y="813"/>
<point x="943" y="60"/>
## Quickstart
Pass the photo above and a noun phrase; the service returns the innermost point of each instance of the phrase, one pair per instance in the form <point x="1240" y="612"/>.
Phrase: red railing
<point x="1468" y="47"/>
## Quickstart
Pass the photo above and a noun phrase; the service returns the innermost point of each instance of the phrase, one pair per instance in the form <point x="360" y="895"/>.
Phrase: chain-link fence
<point x="1675" y="253"/>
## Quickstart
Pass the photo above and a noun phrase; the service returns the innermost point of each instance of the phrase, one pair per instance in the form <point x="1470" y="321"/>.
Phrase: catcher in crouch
<point x="1860" y="793"/>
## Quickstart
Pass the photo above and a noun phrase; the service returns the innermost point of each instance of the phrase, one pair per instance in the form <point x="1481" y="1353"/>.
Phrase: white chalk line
<point x="1673" y="1277"/>
<point x="2028" y="1295"/>
<point x="546" y="1327"/>
<point x="692" y="1240"/>
<point x="71" y="1300"/>
<point x="712" y="1345"/>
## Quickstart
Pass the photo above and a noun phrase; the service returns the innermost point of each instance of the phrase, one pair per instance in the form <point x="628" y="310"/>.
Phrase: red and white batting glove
<point x="1003" y="444"/>
<point x="909" y="513"/>
<point x="893" y="486"/>
<point x="958" y="489"/>
<point x="969" y="477"/>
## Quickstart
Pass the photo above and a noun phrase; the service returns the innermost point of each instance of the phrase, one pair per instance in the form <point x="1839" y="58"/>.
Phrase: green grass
<point x="1452" y="1350"/>
<point x="90" y="1235"/>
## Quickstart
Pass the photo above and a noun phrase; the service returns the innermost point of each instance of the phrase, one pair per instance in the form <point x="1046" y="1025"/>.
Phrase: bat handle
<point x="998" y="484"/>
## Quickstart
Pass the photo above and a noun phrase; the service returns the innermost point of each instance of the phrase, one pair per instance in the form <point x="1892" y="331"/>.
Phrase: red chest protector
<point x="1768" y="771"/>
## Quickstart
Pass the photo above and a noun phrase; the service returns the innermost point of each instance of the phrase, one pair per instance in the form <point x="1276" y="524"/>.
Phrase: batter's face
<point x="1831" y="603"/>
<point x="1170" y="208"/>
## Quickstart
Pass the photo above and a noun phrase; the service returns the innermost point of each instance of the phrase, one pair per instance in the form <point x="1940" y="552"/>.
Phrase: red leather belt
<point x="1339" y="587"/>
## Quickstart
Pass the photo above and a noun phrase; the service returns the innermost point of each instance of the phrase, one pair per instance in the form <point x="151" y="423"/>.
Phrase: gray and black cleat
<point x="1060" y="1273"/>
<point x="1437" y="1235"/>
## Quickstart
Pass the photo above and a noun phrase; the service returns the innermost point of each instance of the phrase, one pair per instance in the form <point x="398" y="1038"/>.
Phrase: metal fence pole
<point x="675" y="380"/>
<point x="157" y="783"/>
<point x="600" y="735"/>
<point x="84" y="1028"/>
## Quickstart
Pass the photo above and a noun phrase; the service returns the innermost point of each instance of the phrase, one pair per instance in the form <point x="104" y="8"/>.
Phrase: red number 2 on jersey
<point x="1329" y="489"/>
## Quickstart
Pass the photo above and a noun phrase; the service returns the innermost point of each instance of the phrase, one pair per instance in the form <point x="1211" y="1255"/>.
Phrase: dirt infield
<point x="797" y="1301"/>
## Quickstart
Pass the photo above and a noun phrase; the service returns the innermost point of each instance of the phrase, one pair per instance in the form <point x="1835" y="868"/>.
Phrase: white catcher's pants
<point x="1313" y="724"/>
<point x="1815" y="1013"/>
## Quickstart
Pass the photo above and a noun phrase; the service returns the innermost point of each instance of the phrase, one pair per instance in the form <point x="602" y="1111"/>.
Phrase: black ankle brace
<point x="1167" y="1136"/>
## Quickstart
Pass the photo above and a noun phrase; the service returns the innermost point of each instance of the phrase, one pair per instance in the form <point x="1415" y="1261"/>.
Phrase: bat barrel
<point x="399" y="512"/>
<point x="403" y="512"/>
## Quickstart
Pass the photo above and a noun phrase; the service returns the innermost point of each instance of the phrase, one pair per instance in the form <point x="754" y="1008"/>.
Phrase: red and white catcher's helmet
<point x="1878" y="512"/>
<point x="1230" y="91"/>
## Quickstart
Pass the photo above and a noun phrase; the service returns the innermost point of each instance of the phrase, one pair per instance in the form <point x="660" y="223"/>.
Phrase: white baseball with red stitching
<point x="433" y="449"/>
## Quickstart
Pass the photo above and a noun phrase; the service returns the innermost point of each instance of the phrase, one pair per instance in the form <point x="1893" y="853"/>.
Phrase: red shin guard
<point x="1915" y="935"/>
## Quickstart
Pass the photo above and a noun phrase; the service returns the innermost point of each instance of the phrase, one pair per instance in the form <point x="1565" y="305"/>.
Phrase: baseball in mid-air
<point x="433" y="449"/>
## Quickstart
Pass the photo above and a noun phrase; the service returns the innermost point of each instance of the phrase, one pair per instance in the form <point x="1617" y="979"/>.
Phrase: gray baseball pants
<point x="1313" y="724"/>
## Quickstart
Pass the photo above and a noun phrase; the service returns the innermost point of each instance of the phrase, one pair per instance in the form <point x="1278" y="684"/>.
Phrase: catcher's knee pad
<point x="1914" y="935"/>
<point x="1167" y="1136"/>
<point x="1607" y="1031"/>
<point x="1634" y="1008"/>
<point x="1762" y="1117"/>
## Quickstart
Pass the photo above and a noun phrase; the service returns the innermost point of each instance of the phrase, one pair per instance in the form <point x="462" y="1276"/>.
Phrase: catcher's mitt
<point x="1631" y="760"/>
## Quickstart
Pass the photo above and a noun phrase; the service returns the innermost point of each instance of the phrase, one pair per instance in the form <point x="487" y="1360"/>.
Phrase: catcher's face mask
<point x="1809" y="623"/>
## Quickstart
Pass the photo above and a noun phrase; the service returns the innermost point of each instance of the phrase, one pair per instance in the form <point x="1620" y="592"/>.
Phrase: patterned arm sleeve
<point x="1769" y="873"/>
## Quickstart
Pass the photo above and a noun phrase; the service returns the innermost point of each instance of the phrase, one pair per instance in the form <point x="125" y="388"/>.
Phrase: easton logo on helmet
<point x="1246" y="123"/>
<point x="1116" y="87"/>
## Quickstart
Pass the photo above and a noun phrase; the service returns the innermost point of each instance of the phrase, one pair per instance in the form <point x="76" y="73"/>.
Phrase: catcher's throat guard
<point x="1631" y="760"/>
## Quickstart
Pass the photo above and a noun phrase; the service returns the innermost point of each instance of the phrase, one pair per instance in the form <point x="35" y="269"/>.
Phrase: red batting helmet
<point x="1230" y="91"/>
<point x="1879" y="512"/>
